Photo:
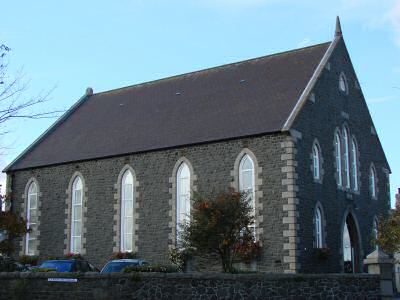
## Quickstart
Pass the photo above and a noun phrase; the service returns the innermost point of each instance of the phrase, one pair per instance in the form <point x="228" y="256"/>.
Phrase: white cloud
<point x="305" y="42"/>
<point x="381" y="99"/>
<point x="239" y="2"/>
<point x="352" y="3"/>
<point x="234" y="4"/>
<point x="393" y="17"/>
<point x="374" y="14"/>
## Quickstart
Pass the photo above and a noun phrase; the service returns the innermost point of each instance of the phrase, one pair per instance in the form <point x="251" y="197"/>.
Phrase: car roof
<point x="60" y="260"/>
<point x="126" y="260"/>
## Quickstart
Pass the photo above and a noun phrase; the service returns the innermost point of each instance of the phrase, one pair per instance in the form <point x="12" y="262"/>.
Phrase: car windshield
<point x="59" y="266"/>
<point x="117" y="266"/>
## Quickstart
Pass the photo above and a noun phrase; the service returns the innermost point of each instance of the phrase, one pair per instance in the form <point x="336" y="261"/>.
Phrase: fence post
<point x="378" y="262"/>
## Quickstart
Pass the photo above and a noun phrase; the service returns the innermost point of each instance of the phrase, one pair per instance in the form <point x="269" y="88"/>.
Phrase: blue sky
<point x="71" y="45"/>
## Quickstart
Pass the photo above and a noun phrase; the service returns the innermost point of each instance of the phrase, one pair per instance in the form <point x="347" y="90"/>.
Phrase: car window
<point x="58" y="266"/>
<point x="112" y="267"/>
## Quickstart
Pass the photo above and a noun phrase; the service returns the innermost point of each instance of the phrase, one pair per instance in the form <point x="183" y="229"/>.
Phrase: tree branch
<point x="14" y="103"/>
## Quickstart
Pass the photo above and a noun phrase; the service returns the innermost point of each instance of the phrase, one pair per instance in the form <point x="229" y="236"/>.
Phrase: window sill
<point x="317" y="180"/>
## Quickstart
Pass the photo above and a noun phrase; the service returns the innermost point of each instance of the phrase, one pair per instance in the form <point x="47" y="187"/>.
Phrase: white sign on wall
<point x="62" y="279"/>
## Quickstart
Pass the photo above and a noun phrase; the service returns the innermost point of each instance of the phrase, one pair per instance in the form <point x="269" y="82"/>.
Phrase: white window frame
<point x="182" y="211"/>
<point x="30" y="236"/>
<point x="316" y="162"/>
<point x="318" y="228"/>
<point x="123" y="216"/>
<point x="346" y="156"/>
<point x="74" y="218"/>
<point x="338" y="158"/>
<point x="354" y="164"/>
<point x="250" y="190"/>
<point x="372" y="181"/>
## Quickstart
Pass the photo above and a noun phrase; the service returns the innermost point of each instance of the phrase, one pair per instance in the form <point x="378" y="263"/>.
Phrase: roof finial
<point x="338" y="30"/>
<point x="89" y="91"/>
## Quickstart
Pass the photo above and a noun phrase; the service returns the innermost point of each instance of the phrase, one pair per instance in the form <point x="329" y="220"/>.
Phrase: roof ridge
<point x="211" y="68"/>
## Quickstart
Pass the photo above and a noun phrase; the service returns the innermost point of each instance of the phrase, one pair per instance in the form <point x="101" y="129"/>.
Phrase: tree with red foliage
<point x="388" y="238"/>
<point x="11" y="226"/>
<point x="222" y="225"/>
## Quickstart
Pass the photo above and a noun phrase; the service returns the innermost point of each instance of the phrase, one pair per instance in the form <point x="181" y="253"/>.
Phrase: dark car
<point x="118" y="265"/>
<point x="8" y="264"/>
<point x="68" y="265"/>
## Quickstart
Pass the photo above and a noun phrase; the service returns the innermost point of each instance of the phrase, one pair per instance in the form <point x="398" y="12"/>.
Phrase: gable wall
<point x="212" y="165"/>
<point x="318" y="121"/>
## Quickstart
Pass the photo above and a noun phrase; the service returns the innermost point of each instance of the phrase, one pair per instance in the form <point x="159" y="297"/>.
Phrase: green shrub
<point x="152" y="268"/>
<point x="238" y="271"/>
<point x="73" y="256"/>
<point x="123" y="255"/>
<point x="50" y="257"/>
<point x="179" y="257"/>
<point x="43" y="270"/>
<point x="28" y="260"/>
<point x="7" y="264"/>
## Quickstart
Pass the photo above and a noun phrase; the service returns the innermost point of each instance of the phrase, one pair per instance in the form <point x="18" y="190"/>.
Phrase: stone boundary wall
<point x="182" y="286"/>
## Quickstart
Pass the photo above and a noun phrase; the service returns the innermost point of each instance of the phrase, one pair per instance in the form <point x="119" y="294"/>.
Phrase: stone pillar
<point x="378" y="262"/>
<point x="398" y="198"/>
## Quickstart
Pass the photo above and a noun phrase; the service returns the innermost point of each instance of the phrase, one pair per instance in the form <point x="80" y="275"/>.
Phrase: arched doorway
<point x="351" y="247"/>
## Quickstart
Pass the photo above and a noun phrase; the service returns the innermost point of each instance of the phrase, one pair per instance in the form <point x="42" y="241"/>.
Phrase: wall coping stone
<point x="378" y="257"/>
<point x="194" y="275"/>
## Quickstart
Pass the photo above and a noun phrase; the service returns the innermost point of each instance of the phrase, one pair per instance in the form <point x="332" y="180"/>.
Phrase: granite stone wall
<point x="328" y="110"/>
<point x="45" y="286"/>
<point x="213" y="167"/>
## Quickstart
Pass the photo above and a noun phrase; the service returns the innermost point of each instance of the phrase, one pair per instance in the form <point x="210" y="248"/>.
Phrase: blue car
<point x="118" y="265"/>
<point x="68" y="265"/>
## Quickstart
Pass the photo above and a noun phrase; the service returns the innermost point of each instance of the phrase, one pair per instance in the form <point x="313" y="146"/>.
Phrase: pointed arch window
<point x="372" y="181"/>
<point x="316" y="162"/>
<point x="31" y="219"/>
<point x="343" y="87"/>
<point x="347" y="250"/>
<point x="246" y="181"/>
<point x="354" y="165"/>
<point x="346" y="156"/>
<point x="127" y="205"/>
<point x="338" y="158"/>
<point x="183" y="196"/>
<point x="76" y="216"/>
<point x="318" y="228"/>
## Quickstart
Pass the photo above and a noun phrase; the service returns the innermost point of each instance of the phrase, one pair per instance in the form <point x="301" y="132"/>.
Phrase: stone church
<point x="118" y="170"/>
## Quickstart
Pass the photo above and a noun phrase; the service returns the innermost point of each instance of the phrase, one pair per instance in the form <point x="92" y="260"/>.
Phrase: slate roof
<point x="235" y="100"/>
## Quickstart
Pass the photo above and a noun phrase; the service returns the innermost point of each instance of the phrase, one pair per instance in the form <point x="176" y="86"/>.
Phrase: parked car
<point x="8" y="264"/>
<point x="118" y="265"/>
<point x="67" y="265"/>
<point x="20" y="267"/>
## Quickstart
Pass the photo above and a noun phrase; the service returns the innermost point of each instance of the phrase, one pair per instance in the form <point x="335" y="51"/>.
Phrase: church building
<point x="118" y="170"/>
